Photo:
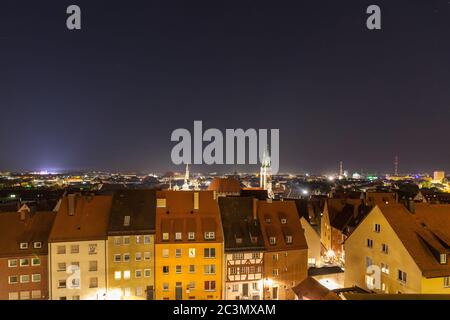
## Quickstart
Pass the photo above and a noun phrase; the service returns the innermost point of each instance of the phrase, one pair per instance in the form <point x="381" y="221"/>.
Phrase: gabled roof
<point x="311" y="289"/>
<point x="271" y="225"/>
<point x="82" y="218"/>
<point x="420" y="232"/>
<point x="139" y="206"/>
<point x="238" y="222"/>
<point x="35" y="228"/>
<point x="229" y="185"/>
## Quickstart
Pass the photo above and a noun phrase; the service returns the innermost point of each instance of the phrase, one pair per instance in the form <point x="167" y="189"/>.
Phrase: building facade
<point x="77" y="248"/>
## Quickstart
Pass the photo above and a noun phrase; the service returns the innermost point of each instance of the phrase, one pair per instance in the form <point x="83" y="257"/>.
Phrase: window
<point x="238" y="256"/>
<point x="446" y="282"/>
<point x="75" y="297"/>
<point x="37" y="245"/>
<point x="13" y="296"/>
<point x="35" y="262"/>
<point x="117" y="275"/>
<point x="147" y="239"/>
<point x="210" y="285"/>
<point x="138" y="239"/>
<point x="275" y="257"/>
<point x="146" y="255"/>
<point x="138" y="256"/>
<point x="24" y="262"/>
<point x="23" y="245"/>
<point x="178" y="269"/>
<point x="24" y="295"/>
<point x="283" y="221"/>
<point x="401" y="276"/>
<point x="177" y="253"/>
<point x="191" y="285"/>
<point x="191" y="235"/>
<point x="288" y="239"/>
<point x="165" y="236"/>
<point x="62" y="284"/>
<point x="13" y="279"/>
<point x="126" y="257"/>
<point x="267" y="219"/>
<point x="191" y="252"/>
<point x="369" y="243"/>
<point x="93" y="282"/>
<point x="196" y="201"/>
<point x="255" y="286"/>
<point x="251" y="269"/>
<point x="272" y="240"/>
<point x="235" y="287"/>
<point x="74" y="248"/>
<point x="210" y="235"/>
<point x="126" y="240"/>
<point x="178" y="236"/>
<point x="36" y="277"/>
<point x="209" y="253"/>
<point x="35" y="294"/>
<point x="165" y="286"/>
<point x="165" y="269"/>
<point x="12" y="263"/>
<point x="138" y="274"/>
<point x="62" y="266"/>
<point x="117" y="241"/>
<point x="377" y="228"/>
<point x="443" y="258"/>
<point x="191" y="268"/>
<point x="255" y="255"/>
<point x="92" y="266"/>
<point x="147" y="273"/>
<point x="127" y="274"/>
<point x="238" y="240"/>
<point x="117" y="258"/>
<point x="61" y="250"/>
<point x="139" y="291"/>
<point x="210" y="269"/>
<point x="384" y="248"/>
<point x="92" y="248"/>
<point x="126" y="221"/>
<point x="275" y="272"/>
<point x="165" y="253"/>
<point x="161" y="203"/>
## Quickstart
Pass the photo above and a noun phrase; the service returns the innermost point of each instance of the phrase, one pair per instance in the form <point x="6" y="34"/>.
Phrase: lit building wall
<point x="131" y="264"/>
<point x="90" y="282"/>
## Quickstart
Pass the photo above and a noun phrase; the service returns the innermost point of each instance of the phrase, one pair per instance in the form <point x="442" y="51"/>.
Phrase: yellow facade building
<point x="395" y="250"/>
<point x="188" y="246"/>
<point x="131" y="244"/>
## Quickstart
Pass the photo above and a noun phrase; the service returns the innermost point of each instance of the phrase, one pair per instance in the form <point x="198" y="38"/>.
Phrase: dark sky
<point x="109" y="96"/>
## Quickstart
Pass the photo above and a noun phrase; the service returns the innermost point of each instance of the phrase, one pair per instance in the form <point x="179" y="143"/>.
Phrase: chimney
<point x="24" y="212"/>
<point x="255" y="209"/>
<point x="71" y="202"/>
<point x="411" y="206"/>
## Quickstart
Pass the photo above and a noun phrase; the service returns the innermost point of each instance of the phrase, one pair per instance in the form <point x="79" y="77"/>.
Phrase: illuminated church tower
<point x="265" y="175"/>
<point x="186" y="179"/>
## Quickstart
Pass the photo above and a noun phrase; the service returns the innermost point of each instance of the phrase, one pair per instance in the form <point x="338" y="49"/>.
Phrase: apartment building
<point x="77" y="248"/>
<point x="286" y="250"/>
<point x="396" y="250"/>
<point x="131" y="245"/>
<point x="24" y="254"/>
<point x="188" y="246"/>
<point x="244" y="248"/>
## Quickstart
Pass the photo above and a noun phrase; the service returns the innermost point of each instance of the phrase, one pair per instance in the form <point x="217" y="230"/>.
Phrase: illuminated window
<point x="36" y="294"/>
<point x="61" y="250"/>
<point x="288" y="239"/>
<point x="24" y="295"/>
<point x="127" y="292"/>
<point x="62" y="266"/>
<point x="117" y="241"/>
<point x="23" y="245"/>
<point x="273" y="240"/>
<point x="161" y="203"/>
<point x="165" y="253"/>
<point x="196" y="201"/>
<point x="238" y="256"/>
<point x="37" y="245"/>
<point x="138" y="256"/>
<point x="117" y="275"/>
<point x="138" y="239"/>
<point x="191" y="252"/>
<point x="93" y="282"/>
<point x="24" y="262"/>
<point x="126" y="240"/>
<point x="178" y="236"/>
<point x="146" y="255"/>
<point x="127" y="274"/>
<point x="255" y="255"/>
<point x="275" y="257"/>
<point x="446" y="282"/>
<point x="275" y="272"/>
<point x="36" y="277"/>
<point x="74" y="248"/>
<point x="283" y="221"/>
<point x="92" y="248"/>
<point x="12" y="263"/>
<point x="191" y="235"/>
<point x="165" y="236"/>
<point x="13" y="296"/>
<point x="139" y="291"/>
<point x="126" y="221"/>
<point x="210" y="235"/>
<point x="443" y="258"/>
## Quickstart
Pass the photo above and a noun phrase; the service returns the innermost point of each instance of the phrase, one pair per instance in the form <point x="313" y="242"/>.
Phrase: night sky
<point x="109" y="96"/>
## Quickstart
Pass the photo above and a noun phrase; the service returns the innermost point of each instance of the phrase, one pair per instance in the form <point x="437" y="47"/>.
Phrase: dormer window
<point x="283" y="220"/>
<point x="288" y="239"/>
<point x="37" y="245"/>
<point x="254" y="239"/>
<point x="267" y="220"/>
<point x="178" y="236"/>
<point x="165" y="236"/>
<point x="23" y="245"/>
<point x="211" y="235"/>
<point x="126" y="221"/>
<point x="273" y="240"/>
<point x="191" y="235"/>
<point x="238" y="240"/>
<point x="443" y="258"/>
<point x="377" y="228"/>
